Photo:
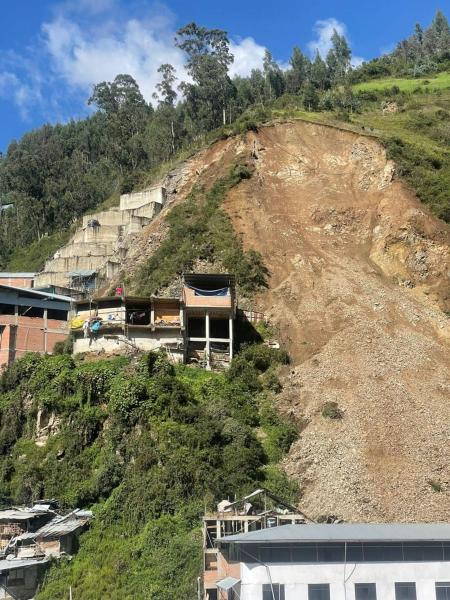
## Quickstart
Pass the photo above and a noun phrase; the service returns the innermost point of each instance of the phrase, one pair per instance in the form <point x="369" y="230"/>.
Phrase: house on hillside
<point x="346" y="561"/>
<point x="258" y="510"/>
<point x="29" y="538"/>
<point x="194" y="328"/>
<point x="119" y="323"/>
<point x="31" y="321"/>
<point x="210" y="310"/>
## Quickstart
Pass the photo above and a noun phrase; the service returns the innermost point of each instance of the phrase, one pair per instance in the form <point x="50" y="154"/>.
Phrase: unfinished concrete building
<point x="121" y="323"/>
<point x="259" y="510"/>
<point x="210" y="310"/>
<point x="96" y="250"/>
<point x="196" y="328"/>
<point x="30" y="321"/>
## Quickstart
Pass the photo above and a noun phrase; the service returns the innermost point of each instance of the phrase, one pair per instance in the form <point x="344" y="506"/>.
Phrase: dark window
<point x="7" y="309"/>
<point x="443" y="590"/>
<point x="318" y="591"/>
<point x="331" y="553"/>
<point x="405" y="591"/>
<point x="274" y="555"/>
<point x="416" y="552"/>
<point x="365" y="591"/>
<point x="274" y="591"/>
<point x="31" y="311"/>
<point x="305" y="554"/>
<point x="219" y="328"/>
<point x="388" y="552"/>
<point x="58" y="315"/>
<point x="355" y="553"/>
<point x="196" y="327"/>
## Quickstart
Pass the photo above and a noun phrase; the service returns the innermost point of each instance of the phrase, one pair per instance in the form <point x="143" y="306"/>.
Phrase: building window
<point x="273" y="591"/>
<point x="365" y="591"/>
<point x="443" y="590"/>
<point x="318" y="591"/>
<point x="406" y="591"/>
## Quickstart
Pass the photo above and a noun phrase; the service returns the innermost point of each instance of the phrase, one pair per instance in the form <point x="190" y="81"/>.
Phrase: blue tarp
<point x="220" y="292"/>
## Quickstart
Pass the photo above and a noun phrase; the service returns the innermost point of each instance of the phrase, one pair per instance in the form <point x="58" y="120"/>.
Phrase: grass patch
<point x="32" y="258"/>
<point x="438" y="82"/>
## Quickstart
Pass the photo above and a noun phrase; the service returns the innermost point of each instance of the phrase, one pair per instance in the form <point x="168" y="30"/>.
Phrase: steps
<point x="97" y="248"/>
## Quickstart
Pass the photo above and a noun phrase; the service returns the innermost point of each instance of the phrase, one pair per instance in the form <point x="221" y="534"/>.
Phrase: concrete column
<point x="231" y="336"/>
<point x="16" y="314"/>
<point x="207" y="349"/>
<point x="152" y="314"/>
<point x="45" y="331"/>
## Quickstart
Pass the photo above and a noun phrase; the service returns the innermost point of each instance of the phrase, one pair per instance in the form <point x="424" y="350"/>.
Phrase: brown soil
<point x="358" y="291"/>
<point x="359" y="275"/>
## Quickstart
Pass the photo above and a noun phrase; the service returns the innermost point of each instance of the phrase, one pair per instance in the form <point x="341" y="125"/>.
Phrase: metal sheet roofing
<point x="33" y="292"/>
<point x="61" y="526"/>
<point x="19" y="515"/>
<point x="227" y="583"/>
<point x="17" y="563"/>
<point x="346" y="532"/>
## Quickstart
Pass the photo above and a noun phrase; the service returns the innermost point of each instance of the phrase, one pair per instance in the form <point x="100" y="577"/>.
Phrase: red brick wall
<point x="4" y="346"/>
<point x="30" y="335"/>
<point x="22" y="282"/>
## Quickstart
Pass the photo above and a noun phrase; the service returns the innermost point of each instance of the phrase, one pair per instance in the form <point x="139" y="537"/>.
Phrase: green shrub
<point x="331" y="410"/>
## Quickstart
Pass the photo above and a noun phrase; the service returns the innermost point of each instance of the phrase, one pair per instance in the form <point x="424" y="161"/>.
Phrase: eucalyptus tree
<point x="208" y="62"/>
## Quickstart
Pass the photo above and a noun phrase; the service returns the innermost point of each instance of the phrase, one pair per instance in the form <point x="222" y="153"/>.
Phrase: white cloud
<point x="83" y="56"/>
<point x="323" y="30"/>
<point x="88" y="41"/>
<point x="248" y="55"/>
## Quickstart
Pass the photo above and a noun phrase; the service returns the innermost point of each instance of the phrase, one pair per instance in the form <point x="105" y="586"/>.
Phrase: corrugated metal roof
<point x="346" y="532"/>
<point x="33" y="292"/>
<point x="19" y="563"/>
<point x="227" y="583"/>
<point x="19" y="515"/>
<point x="61" y="526"/>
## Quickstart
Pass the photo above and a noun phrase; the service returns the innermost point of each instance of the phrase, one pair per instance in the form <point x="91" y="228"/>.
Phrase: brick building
<point x="30" y="321"/>
<point x="22" y="280"/>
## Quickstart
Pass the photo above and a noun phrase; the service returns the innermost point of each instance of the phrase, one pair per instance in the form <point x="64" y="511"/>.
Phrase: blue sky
<point x="52" y="52"/>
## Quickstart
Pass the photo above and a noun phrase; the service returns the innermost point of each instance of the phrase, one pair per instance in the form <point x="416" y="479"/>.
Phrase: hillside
<point x="358" y="292"/>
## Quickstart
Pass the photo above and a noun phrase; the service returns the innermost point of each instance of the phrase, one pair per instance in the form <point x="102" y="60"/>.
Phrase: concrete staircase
<point x="96" y="250"/>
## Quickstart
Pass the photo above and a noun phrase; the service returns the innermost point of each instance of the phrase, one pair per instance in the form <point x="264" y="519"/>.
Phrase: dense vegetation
<point x="55" y="174"/>
<point x="200" y="230"/>
<point x="150" y="446"/>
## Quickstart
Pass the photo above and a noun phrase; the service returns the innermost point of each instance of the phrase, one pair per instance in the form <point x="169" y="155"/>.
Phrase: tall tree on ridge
<point x="208" y="61"/>
<point x="338" y="58"/>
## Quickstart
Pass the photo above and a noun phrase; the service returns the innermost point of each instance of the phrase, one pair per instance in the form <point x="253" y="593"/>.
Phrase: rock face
<point x="358" y="289"/>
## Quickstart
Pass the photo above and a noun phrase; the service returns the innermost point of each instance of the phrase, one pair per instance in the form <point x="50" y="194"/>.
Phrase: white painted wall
<point x="296" y="578"/>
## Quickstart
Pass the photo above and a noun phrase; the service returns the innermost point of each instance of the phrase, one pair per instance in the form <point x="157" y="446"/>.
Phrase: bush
<point x="331" y="410"/>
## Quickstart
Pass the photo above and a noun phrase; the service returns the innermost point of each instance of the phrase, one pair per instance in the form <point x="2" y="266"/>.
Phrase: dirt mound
<point x="358" y="290"/>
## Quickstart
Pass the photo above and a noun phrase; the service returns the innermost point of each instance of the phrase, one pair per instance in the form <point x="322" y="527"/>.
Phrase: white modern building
<point x="337" y="562"/>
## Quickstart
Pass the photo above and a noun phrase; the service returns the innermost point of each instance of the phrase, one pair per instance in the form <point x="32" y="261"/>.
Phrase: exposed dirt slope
<point x="359" y="289"/>
<point x="359" y="271"/>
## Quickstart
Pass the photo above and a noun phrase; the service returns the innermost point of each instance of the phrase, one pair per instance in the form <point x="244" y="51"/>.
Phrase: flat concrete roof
<point x="345" y="532"/>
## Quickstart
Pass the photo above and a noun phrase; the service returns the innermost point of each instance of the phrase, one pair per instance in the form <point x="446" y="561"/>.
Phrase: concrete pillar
<point x="45" y="331"/>
<point x="152" y="314"/>
<point x="231" y="336"/>
<point x="207" y="348"/>
<point x="16" y="314"/>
